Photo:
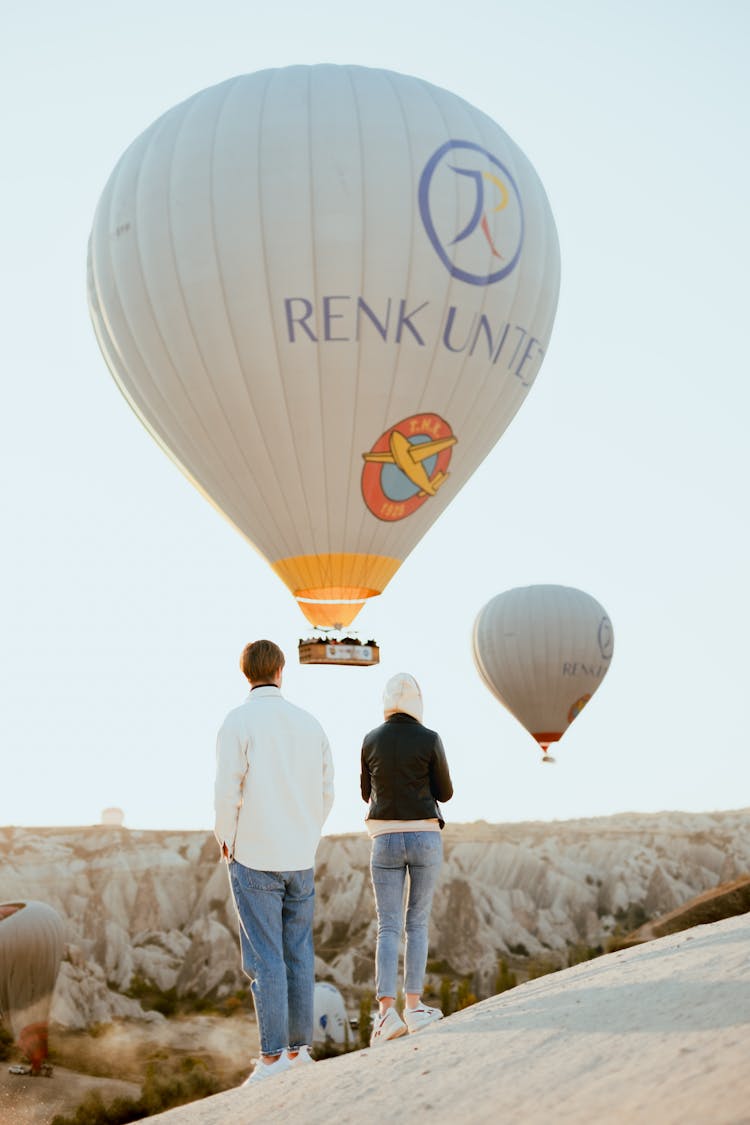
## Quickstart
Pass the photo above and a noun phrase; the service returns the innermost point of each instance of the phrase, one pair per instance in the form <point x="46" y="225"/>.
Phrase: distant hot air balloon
<point x="543" y="651"/>
<point x="31" y="948"/>
<point x="113" y="817"/>
<point x="325" y="291"/>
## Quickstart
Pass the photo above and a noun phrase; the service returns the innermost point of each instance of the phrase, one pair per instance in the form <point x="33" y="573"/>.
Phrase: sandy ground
<point x="658" y="1034"/>
<point x="35" y="1101"/>
<point x="122" y="1048"/>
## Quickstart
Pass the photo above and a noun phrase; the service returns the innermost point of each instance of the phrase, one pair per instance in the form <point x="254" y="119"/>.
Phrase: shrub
<point x="579" y="953"/>
<point x="505" y="979"/>
<point x="633" y="918"/>
<point x="540" y="967"/>
<point x="465" y="997"/>
<point x="6" y="1043"/>
<point x="92" y="1111"/>
<point x="171" y="1082"/>
<point x="446" y="996"/>
<point x="438" y="967"/>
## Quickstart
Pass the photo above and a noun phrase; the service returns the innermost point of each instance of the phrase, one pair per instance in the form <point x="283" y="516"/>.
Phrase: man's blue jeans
<point x="393" y="855"/>
<point x="275" y="911"/>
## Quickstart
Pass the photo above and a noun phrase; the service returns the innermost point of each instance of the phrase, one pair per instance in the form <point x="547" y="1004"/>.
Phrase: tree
<point x="464" y="995"/>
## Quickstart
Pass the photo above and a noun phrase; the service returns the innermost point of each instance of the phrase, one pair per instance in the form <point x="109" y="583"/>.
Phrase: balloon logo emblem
<point x="485" y="244"/>
<point x="606" y="639"/>
<point x="577" y="707"/>
<point x="406" y="466"/>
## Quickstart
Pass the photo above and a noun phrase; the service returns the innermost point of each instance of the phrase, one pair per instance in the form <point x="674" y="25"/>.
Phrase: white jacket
<point x="274" y="783"/>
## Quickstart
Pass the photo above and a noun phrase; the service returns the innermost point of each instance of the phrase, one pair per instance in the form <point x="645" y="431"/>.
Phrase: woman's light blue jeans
<point x="275" y="911"/>
<point x="394" y="856"/>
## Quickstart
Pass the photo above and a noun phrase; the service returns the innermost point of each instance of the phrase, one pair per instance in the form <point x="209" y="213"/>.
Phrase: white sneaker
<point x="388" y="1026"/>
<point x="417" y="1018"/>
<point x="264" y="1071"/>
<point x="302" y="1058"/>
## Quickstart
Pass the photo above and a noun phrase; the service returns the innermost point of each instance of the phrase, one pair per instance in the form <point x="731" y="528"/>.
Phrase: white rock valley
<point x="155" y="906"/>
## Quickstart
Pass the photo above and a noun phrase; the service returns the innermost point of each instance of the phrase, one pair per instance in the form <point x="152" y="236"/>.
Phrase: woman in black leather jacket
<point x="404" y="775"/>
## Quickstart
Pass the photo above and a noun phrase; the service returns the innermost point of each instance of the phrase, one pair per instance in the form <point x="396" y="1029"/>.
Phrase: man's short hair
<point x="260" y="661"/>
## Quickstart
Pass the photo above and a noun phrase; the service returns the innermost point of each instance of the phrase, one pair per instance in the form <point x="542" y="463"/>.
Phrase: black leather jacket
<point x="404" y="771"/>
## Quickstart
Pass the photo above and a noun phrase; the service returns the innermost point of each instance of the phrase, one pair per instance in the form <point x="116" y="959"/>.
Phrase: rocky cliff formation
<point x="147" y="907"/>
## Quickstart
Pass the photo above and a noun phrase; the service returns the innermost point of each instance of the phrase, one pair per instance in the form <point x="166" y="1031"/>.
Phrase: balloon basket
<point x="347" y="652"/>
<point x="547" y="758"/>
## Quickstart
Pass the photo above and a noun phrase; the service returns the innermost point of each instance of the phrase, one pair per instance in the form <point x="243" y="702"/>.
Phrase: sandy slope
<point x="656" y="1034"/>
<point x="35" y="1101"/>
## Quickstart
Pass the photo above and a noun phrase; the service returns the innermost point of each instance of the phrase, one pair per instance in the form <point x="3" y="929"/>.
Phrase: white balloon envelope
<point x="330" y="1023"/>
<point x="325" y="291"/>
<point x="543" y="651"/>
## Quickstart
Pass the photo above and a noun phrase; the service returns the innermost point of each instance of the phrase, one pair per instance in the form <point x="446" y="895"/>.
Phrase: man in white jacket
<point x="274" y="790"/>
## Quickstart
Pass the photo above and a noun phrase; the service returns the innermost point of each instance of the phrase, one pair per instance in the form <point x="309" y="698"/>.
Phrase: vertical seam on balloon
<point x="230" y="87"/>
<point x="159" y="393"/>
<point x="366" y="539"/>
<point x="485" y="421"/>
<point x="470" y="436"/>
<point x="395" y="534"/>
<point x="361" y="536"/>
<point x="188" y="318"/>
<point x="102" y="320"/>
<point x="578" y="601"/>
<point x="436" y="100"/>
<point x="563" y="623"/>
<point x="482" y="435"/>
<point x="318" y="359"/>
<point x="133" y="396"/>
<point x="554" y="613"/>
<point x="353" y="474"/>
<point x="467" y="438"/>
<point x="496" y="629"/>
<point x="284" y="390"/>
<point x="527" y="624"/>
<point x="290" y="550"/>
<point x="145" y="282"/>
<point x="398" y="539"/>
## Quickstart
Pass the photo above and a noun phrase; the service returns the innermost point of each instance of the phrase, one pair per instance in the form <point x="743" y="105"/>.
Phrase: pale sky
<point x="126" y="598"/>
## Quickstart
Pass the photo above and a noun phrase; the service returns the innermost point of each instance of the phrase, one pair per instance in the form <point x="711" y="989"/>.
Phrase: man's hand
<point x="225" y="850"/>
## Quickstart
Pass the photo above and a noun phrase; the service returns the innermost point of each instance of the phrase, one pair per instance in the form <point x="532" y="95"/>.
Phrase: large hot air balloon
<point x="543" y="651"/>
<point x="31" y="948"/>
<point x="325" y="291"/>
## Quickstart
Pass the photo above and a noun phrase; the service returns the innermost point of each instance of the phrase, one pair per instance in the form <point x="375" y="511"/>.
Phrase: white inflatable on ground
<point x="331" y="1025"/>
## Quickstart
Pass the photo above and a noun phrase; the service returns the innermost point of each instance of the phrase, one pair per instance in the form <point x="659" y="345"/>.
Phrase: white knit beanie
<point x="402" y="693"/>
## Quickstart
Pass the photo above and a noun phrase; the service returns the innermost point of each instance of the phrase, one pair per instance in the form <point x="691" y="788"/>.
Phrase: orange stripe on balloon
<point x="330" y="577"/>
<point x="545" y="737"/>
<point x="334" y="587"/>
